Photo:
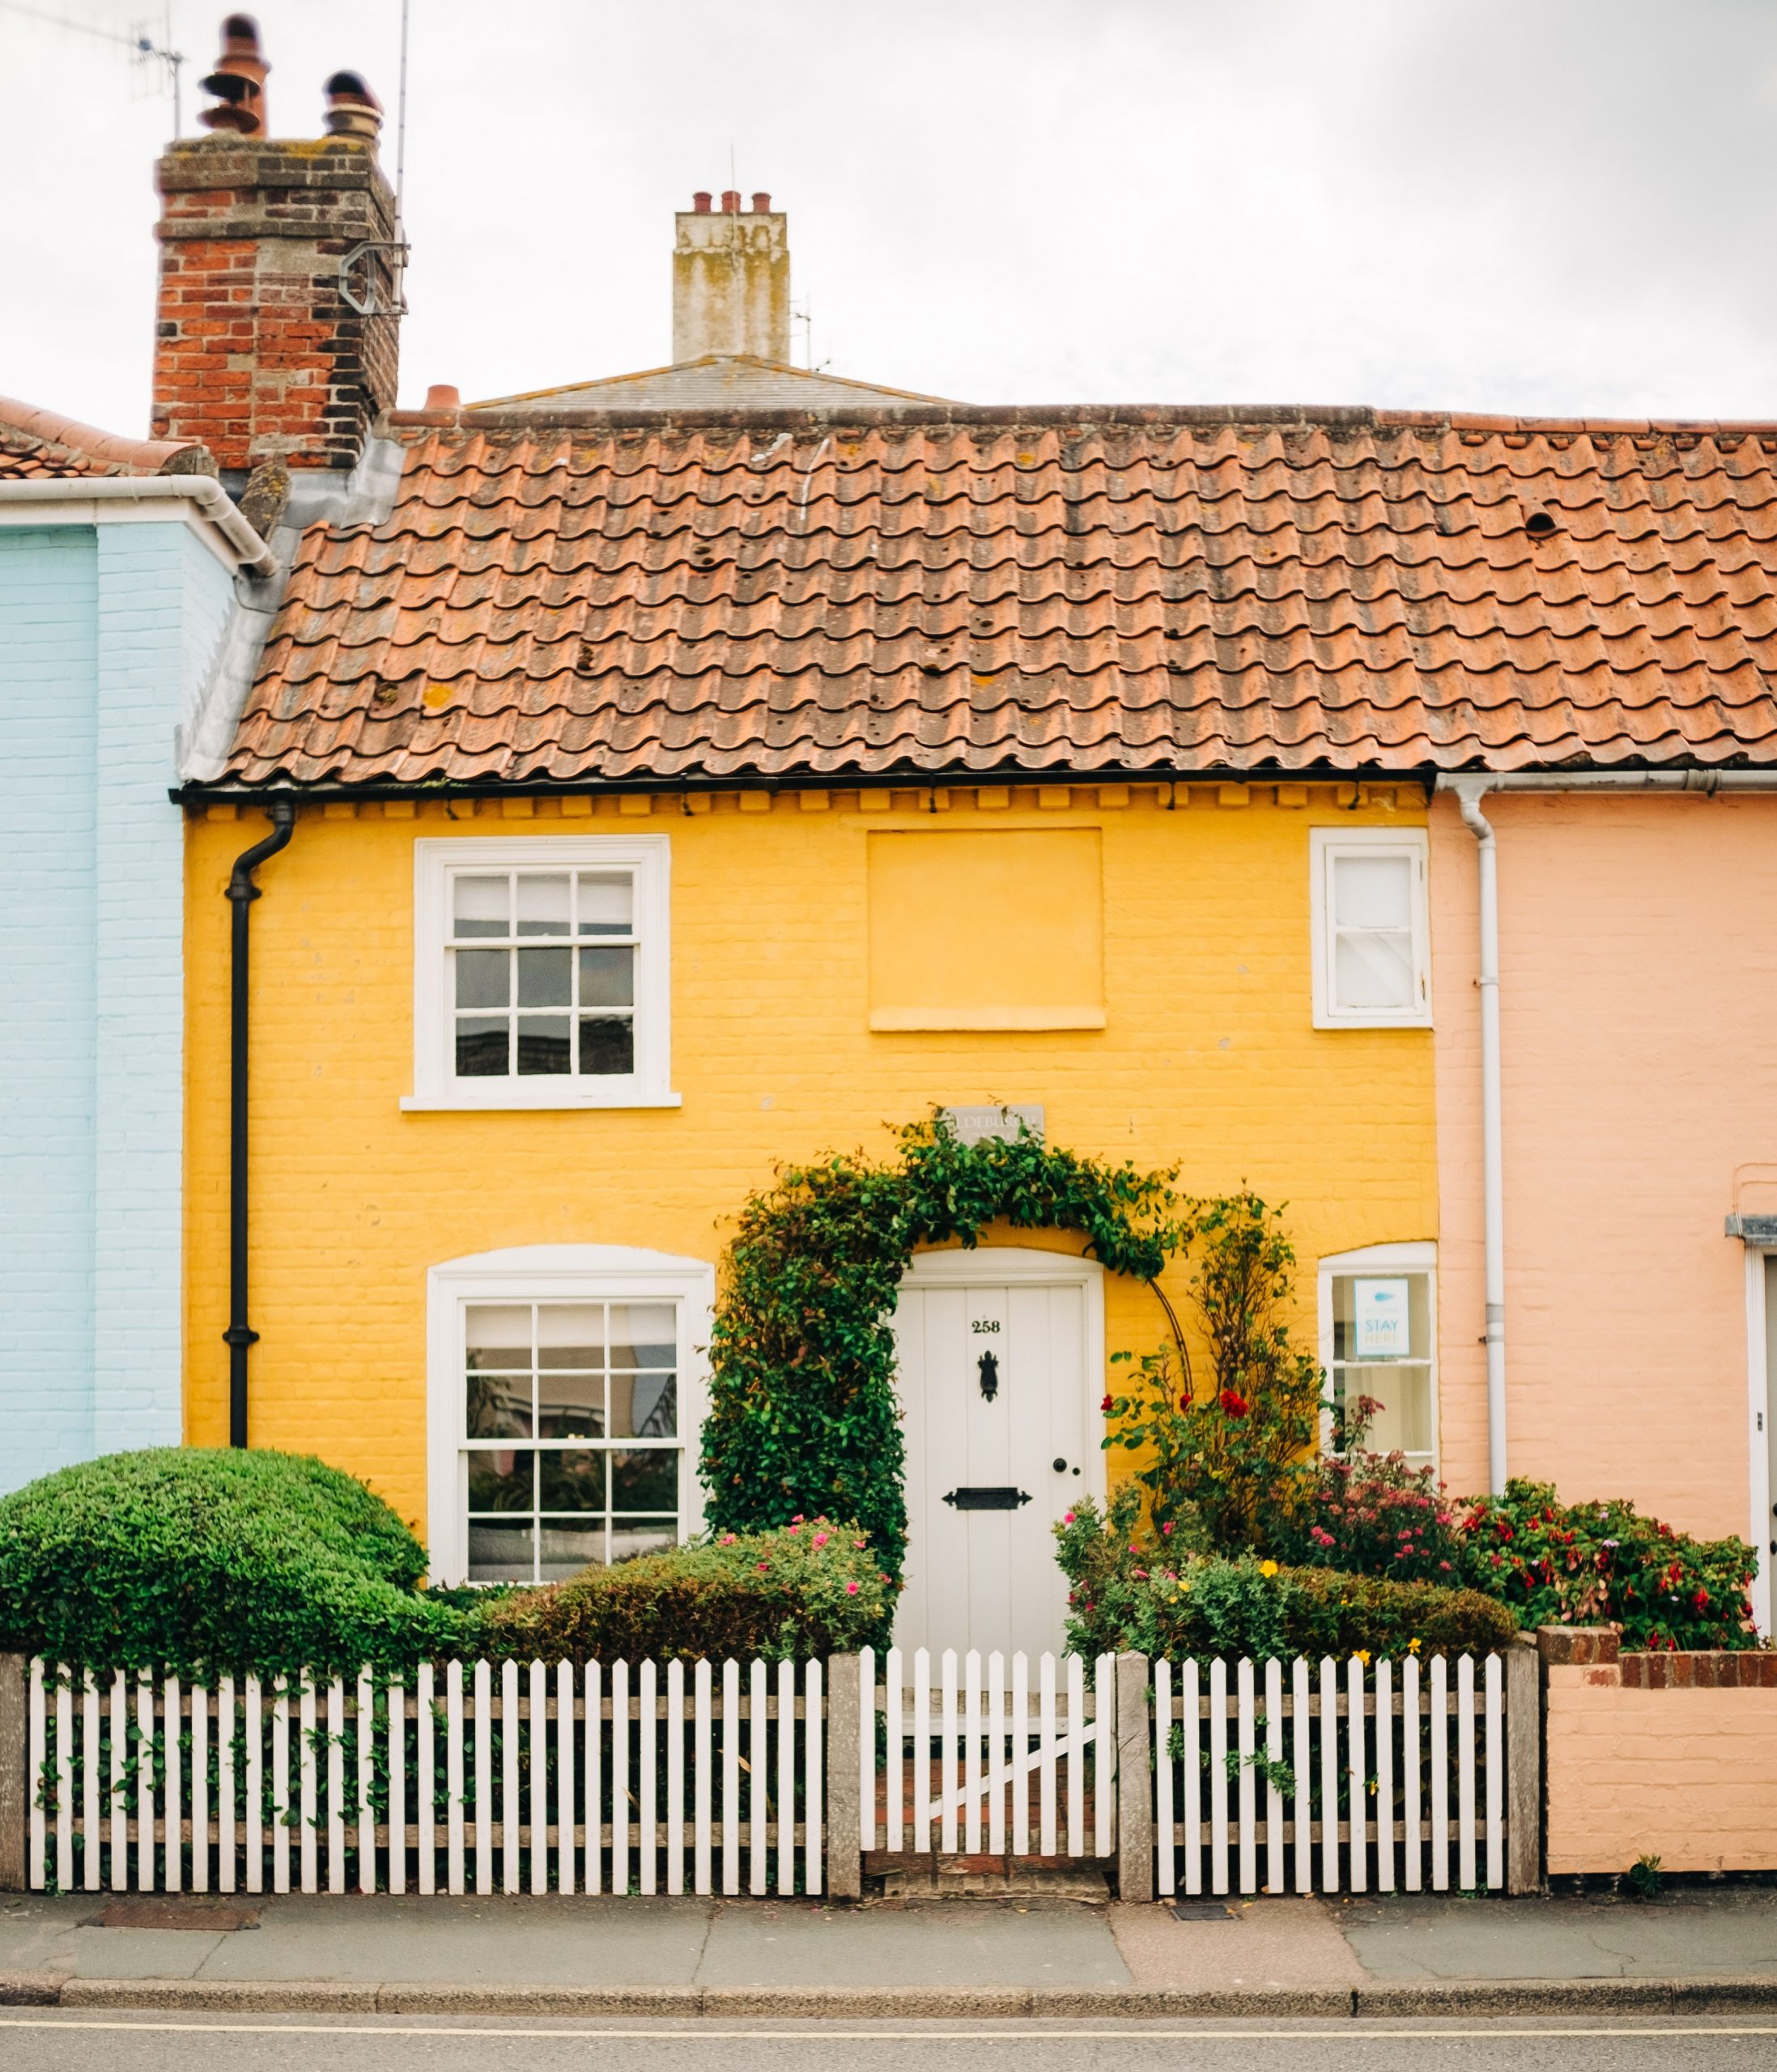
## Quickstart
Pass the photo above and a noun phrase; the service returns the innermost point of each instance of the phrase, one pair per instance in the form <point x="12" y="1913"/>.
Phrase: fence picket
<point x="1246" y="1748"/>
<point x="595" y="1778"/>
<point x="1076" y="1756"/>
<point x="1465" y="1770"/>
<point x="895" y="1795"/>
<point x="1275" y="1879"/>
<point x="426" y="1782"/>
<point x="1218" y="1776"/>
<point x="1412" y="1756"/>
<point x="119" y="1801"/>
<point x="536" y="1756"/>
<point x="619" y="1778"/>
<point x="1496" y="1777"/>
<point x="255" y="1729"/>
<point x="145" y="1788"/>
<point x="336" y="1786"/>
<point x="566" y="1837"/>
<point x="173" y="1797"/>
<point x="813" y="1778"/>
<point x="1329" y="1775"/>
<point x="397" y="1786"/>
<point x="64" y="1779"/>
<point x="1104" y="1754"/>
<point x="1384" y="1759"/>
<point x="1440" y="1777"/>
<point x="731" y="1778"/>
<point x="922" y="1749"/>
<point x="200" y="1788"/>
<point x="947" y="1755"/>
<point x="758" y="1779"/>
<point x="91" y="1831"/>
<point x="511" y="1805"/>
<point x="1021" y="1746"/>
<point x="1302" y="1761"/>
<point x="309" y="1784"/>
<point x="36" y="1754"/>
<point x="998" y="1767"/>
<point x="972" y="1752"/>
<point x="280" y="1786"/>
<point x="482" y="1684"/>
<point x="786" y="1779"/>
<point x="647" y="1751"/>
<point x="675" y="1778"/>
<point x="1190" y="1706"/>
<point x="701" y="1781"/>
<point x="226" y="1841"/>
<point x="1357" y="1779"/>
<point x="1166" y="1844"/>
<point x="456" y="1806"/>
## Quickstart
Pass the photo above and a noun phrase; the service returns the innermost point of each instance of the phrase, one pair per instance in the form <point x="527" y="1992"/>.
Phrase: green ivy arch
<point x="803" y="1417"/>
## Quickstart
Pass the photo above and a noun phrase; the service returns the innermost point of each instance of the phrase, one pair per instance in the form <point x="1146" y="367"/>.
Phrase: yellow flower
<point x="1268" y="1568"/>
<point x="1363" y="1656"/>
<point x="1412" y="1646"/>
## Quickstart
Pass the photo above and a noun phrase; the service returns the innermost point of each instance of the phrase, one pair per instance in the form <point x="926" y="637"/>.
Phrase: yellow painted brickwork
<point x="1208" y="1058"/>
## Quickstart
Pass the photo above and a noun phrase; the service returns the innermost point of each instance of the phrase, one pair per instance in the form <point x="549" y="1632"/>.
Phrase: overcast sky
<point x="1526" y="206"/>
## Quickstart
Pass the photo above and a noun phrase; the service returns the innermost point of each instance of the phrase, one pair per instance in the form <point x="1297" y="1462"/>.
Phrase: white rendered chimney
<point x="731" y="280"/>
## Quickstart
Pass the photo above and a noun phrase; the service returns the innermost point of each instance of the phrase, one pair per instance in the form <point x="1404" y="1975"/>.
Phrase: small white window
<point x="541" y="976"/>
<point x="1372" y="957"/>
<point x="1378" y="1339"/>
<point x="565" y="1399"/>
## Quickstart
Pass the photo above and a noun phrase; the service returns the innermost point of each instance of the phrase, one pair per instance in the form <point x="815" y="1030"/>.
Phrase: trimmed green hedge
<point x="1130" y="1590"/>
<point x="198" y="1560"/>
<point x="810" y="1588"/>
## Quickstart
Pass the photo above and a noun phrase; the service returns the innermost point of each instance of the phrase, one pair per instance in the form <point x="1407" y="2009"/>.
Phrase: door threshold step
<point x="913" y="1873"/>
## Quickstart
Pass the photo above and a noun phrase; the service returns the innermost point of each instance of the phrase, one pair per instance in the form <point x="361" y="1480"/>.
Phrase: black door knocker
<point x="990" y="1375"/>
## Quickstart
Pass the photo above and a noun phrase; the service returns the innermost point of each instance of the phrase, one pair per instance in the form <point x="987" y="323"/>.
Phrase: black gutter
<point x="241" y="894"/>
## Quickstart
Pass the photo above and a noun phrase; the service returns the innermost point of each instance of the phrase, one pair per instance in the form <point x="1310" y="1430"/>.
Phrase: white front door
<point x="999" y="1370"/>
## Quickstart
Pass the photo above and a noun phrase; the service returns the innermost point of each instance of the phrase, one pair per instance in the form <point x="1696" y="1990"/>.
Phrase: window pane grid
<point x="570" y="1444"/>
<point x="542" y="976"/>
<point x="1381" y="1347"/>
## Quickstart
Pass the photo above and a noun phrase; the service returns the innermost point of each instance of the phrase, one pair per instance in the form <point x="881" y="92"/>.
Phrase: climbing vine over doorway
<point x="803" y="1417"/>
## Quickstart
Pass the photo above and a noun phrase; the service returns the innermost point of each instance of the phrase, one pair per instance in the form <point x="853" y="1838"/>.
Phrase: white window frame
<point x="551" y="1273"/>
<point x="1326" y="845"/>
<point x="649" y="857"/>
<point x="1421" y="1257"/>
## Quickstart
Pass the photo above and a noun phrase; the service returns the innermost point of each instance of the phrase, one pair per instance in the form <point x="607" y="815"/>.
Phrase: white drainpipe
<point x="1468" y="791"/>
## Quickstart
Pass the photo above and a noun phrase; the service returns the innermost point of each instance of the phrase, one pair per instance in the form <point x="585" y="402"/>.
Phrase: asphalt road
<point x="295" y="2043"/>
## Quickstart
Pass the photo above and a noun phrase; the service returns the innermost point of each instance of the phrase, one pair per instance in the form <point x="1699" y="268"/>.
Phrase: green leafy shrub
<point x="812" y="1587"/>
<point x="1371" y="1514"/>
<point x="803" y="1416"/>
<point x="1129" y="1588"/>
<point x="1592" y="1563"/>
<point x="200" y="1560"/>
<point x="1234" y="1447"/>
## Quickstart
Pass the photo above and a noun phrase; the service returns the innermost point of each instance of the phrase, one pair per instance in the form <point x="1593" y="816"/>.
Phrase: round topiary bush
<point x="198" y="1560"/>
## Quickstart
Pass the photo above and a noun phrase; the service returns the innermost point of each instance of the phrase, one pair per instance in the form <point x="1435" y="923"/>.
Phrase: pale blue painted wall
<point x="103" y="630"/>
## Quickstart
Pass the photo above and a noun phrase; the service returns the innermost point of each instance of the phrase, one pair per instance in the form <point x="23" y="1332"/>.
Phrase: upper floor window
<point x="541" y="973"/>
<point x="1372" y="962"/>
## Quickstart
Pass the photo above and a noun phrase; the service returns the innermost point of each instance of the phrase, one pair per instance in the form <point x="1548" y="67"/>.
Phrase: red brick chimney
<point x="278" y="316"/>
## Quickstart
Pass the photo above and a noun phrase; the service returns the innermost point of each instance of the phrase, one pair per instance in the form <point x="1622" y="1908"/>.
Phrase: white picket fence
<point x="1350" y="1777"/>
<point x="968" y="1756"/>
<point x="608" y="1778"/>
<point x="620" y="1777"/>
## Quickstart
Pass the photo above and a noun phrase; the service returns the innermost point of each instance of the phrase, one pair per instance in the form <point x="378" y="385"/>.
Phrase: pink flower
<point x="1166" y="1531"/>
<point x="820" y="1539"/>
<point x="1069" y="1519"/>
<point x="798" y="1519"/>
<point x="850" y="1590"/>
<point x="796" y="1528"/>
<point x="728" y="1539"/>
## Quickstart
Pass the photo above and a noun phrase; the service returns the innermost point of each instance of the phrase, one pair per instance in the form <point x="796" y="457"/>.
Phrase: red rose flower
<point x="1234" y="1404"/>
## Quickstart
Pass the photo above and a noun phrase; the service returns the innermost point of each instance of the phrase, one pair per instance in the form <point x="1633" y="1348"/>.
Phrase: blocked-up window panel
<point x="987" y="931"/>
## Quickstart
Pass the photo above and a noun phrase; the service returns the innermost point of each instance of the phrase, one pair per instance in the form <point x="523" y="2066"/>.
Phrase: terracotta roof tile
<point x="604" y="599"/>
<point x="37" y="445"/>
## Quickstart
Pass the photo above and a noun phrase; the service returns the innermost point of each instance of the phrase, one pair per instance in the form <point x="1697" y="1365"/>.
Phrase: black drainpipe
<point x="242" y="892"/>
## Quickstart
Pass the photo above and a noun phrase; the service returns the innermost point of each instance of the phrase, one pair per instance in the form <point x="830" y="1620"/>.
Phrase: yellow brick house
<point x="638" y="786"/>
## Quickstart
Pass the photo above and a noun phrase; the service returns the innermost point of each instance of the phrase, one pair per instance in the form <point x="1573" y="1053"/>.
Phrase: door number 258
<point x="984" y="1324"/>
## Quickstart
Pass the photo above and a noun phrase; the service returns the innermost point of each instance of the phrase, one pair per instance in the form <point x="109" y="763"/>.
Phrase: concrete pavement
<point x="1284" y="1957"/>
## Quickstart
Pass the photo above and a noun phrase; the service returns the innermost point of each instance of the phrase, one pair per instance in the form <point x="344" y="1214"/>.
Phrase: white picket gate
<point x="1369" y="1772"/>
<point x="611" y="1777"/>
<point x="966" y="1757"/>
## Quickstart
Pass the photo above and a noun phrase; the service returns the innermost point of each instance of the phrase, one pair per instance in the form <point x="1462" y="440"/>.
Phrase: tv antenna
<point x="137" y="39"/>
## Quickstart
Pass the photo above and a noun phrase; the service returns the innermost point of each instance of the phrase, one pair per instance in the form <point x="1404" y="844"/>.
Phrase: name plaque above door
<point x="975" y="1125"/>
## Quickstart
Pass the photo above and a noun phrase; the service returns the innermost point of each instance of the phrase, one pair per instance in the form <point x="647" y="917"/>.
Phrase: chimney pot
<point x="700" y="201"/>
<point x="239" y="80"/>
<point x="761" y="204"/>
<point x="353" y="110"/>
<point x="731" y="201"/>
<point x="444" y="396"/>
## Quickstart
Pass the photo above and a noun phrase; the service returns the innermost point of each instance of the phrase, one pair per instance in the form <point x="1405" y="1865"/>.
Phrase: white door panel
<point x="987" y="1578"/>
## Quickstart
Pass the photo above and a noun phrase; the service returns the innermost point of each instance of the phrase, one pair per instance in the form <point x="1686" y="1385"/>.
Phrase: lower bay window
<point x="1379" y="1340"/>
<point x="564" y="1401"/>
